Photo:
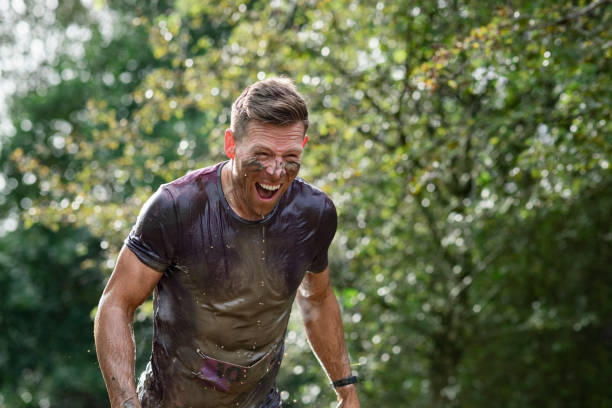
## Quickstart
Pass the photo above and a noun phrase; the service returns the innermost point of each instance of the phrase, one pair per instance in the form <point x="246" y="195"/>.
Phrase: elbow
<point x="101" y="317"/>
<point x="312" y="305"/>
<point x="314" y="297"/>
<point x="111" y="308"/>
<point x="310" y="313"/>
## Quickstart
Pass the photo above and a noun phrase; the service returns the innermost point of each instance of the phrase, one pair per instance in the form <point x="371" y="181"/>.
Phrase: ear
<point x="304" y="141"/>
<point x="230" y="144"/>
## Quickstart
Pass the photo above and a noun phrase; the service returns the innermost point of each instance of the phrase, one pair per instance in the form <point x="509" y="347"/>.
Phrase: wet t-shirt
<point x="222" y="306"/>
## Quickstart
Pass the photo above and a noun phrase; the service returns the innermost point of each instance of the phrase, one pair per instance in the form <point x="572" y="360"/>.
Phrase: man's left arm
<point x="321" y="315"/>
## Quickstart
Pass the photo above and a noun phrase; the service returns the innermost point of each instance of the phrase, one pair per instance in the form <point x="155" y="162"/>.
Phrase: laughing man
<point x="226" y="250"/>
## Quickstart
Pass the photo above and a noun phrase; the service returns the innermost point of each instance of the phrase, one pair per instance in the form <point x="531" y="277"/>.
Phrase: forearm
<point x="326" y="335"/>
<point x="116" y="353"/>
<point x="323" y="324"/>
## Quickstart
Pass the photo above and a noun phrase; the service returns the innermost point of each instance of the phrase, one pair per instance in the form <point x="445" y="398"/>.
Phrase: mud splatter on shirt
<point x="227" y="288"/>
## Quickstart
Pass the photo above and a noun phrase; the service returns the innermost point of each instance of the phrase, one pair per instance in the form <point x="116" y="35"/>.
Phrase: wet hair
<point x="273" y="101"/>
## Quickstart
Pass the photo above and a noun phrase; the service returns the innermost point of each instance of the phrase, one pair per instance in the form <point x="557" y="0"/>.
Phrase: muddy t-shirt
<point x="222" y="306"/>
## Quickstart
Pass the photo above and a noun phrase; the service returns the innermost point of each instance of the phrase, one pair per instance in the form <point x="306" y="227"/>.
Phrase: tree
<point x="51" y="270"/>
<point x="455" y="140"/>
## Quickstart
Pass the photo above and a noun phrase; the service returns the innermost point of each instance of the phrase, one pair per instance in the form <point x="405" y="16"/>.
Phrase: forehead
<point x="274" y="136"/>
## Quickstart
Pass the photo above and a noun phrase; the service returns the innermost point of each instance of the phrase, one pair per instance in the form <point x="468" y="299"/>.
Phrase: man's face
<point x="266" y="161"/>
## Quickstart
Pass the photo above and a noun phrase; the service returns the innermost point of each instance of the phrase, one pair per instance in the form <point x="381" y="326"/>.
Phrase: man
<point x="226" y="249"/>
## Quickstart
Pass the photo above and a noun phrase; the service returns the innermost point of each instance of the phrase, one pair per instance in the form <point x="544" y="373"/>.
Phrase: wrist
<point x="344" y="382"/>
<point x="346" y="390"/>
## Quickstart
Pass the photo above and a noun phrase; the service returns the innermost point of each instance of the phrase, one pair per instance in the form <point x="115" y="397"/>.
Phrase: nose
<point x="275" y="169"/>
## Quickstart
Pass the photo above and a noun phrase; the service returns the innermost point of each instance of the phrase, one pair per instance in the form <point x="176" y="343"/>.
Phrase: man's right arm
<point x="130" y="284"/>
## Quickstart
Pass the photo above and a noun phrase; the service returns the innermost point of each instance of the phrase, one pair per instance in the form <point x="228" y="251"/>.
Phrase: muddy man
<point x="226" y="249"/>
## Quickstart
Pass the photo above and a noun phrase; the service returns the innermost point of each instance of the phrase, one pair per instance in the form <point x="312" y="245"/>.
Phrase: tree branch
<point x="580" y="12"/>
<point x="437" y="237"/>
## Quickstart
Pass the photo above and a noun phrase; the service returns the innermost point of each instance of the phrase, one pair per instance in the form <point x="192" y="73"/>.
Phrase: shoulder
<point x="194" y="183"/>
<point x="310" y="199"/>
<point x="303" y="189"/>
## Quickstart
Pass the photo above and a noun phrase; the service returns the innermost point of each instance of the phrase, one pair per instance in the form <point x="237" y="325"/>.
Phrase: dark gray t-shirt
<point x="222" y="306"/>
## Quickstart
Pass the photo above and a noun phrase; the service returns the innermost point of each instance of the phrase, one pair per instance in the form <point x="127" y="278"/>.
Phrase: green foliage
<point x="48" y="286"/>
<point x="466" y="145"/>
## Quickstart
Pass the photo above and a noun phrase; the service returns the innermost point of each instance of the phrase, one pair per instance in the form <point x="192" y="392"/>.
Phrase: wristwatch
<point x="344" y="381"/>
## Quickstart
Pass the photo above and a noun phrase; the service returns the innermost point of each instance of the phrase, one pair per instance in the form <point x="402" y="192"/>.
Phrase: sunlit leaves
<point x="453" y="138"/>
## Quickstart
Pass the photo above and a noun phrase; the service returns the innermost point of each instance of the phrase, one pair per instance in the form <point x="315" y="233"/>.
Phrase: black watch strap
<point x="344" y="381"/>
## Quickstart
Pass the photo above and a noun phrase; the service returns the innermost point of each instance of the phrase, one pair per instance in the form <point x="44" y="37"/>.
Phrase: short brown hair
<point x="274" y="100"/>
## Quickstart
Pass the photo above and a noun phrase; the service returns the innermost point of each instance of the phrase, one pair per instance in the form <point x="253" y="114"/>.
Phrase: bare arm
<point x="130" y="284"/>
<point x="323" y="323"/>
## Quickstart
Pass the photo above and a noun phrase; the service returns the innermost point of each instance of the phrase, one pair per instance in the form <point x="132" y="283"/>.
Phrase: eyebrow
<point x="262" y="147"/>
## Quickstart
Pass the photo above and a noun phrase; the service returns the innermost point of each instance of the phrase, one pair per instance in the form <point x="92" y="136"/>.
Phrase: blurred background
<point x="466" y="144"/>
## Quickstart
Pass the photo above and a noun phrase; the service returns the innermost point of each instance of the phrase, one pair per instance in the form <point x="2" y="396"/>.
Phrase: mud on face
<point x="289" y="168"/>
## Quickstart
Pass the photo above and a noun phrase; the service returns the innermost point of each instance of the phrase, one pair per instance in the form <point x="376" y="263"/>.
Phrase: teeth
<point x="269" y="187"/>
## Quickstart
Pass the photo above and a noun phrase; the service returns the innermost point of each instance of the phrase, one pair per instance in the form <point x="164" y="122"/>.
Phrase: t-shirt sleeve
<point x="153" y="237"/>
<point x="327" y="229"/>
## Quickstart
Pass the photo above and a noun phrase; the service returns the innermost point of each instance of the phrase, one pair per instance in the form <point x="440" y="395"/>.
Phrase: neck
<point x="229" y="186"/>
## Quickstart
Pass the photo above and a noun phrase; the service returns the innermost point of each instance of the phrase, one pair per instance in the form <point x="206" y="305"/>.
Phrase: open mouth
<point x="266" y="191"/>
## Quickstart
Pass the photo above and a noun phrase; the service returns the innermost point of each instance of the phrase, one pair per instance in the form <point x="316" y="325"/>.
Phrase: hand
<point x="347" y="397"/>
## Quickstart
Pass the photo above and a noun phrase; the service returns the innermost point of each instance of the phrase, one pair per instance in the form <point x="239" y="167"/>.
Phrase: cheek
<point x="292" y="168"/>
<point x="252" y="165"/>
